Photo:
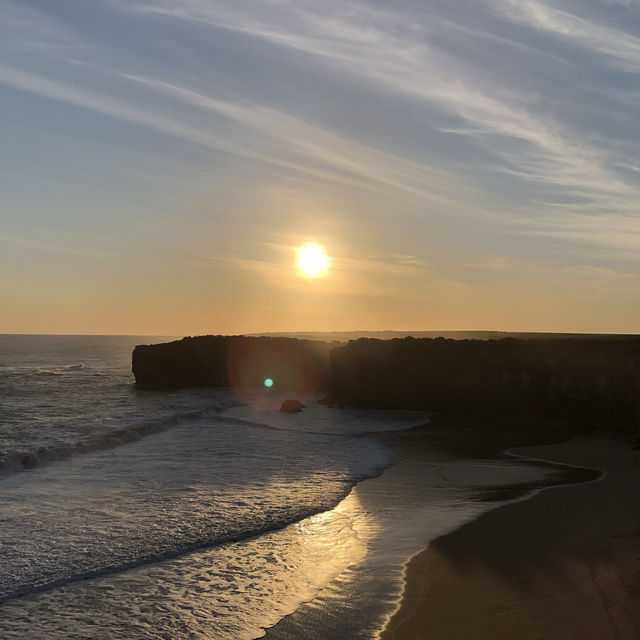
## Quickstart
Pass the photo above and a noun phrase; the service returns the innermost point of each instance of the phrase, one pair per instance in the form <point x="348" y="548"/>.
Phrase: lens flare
<point x="261" y="370"/>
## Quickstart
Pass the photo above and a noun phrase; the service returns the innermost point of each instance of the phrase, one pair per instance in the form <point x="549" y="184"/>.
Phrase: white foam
<point x="319" y="418"/>
<point x="205" y="481"/>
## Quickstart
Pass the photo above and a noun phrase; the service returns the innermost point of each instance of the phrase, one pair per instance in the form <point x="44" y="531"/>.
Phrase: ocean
<point x="128" y="513"/>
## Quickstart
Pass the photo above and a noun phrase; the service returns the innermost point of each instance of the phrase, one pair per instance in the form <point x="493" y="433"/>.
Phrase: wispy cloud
<point x="400" y="55"/>
<point x="349" y="274"/>
<point x="399" y="52"/>
<point x="26" y="30"/>
<point x="621" y="46"/>
<point x="54" y="245"/>
<point x="447" y="143"/>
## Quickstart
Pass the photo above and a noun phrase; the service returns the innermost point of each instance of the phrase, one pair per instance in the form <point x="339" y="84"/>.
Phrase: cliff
<point x="241" y="362"/>
<point x="587" y="379"/>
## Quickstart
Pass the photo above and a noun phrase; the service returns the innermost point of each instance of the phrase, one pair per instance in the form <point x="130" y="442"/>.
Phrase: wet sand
<point x="446" y="473"/>
<point x="562" y="564"/>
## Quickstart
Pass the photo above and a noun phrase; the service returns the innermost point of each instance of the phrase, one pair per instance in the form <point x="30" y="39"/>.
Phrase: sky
<point x="467" y="164"/>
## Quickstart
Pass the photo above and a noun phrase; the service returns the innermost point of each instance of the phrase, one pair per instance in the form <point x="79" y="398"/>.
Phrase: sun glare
<point x="312" y="260"/>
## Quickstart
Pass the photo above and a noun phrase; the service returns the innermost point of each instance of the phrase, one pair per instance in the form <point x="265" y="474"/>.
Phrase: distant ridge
<point x="345" y="336"/>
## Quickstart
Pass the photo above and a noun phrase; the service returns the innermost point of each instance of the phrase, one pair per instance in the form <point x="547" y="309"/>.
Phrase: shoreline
<point x="550" y="564"/>
<point x="447" y="472"/>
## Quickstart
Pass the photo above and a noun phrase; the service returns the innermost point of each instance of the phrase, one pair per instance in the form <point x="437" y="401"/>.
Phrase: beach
<point x="447" y="473"/>
<point x="563" y="563"/>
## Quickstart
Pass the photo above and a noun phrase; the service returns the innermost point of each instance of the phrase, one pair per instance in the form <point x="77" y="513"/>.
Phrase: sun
<point x="312" y="260"/>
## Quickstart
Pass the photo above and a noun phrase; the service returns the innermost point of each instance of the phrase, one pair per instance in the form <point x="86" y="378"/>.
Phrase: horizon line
<point x="264" y="333"/>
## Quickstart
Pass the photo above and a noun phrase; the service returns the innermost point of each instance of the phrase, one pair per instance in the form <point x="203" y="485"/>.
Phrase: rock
<point x="291" y="406"/>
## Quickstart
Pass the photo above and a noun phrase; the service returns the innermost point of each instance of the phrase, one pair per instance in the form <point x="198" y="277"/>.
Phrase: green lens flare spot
<point x="268" y="382"/>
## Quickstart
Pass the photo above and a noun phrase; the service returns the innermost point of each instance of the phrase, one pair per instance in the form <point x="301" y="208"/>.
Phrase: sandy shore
<point x="563" y="564"/>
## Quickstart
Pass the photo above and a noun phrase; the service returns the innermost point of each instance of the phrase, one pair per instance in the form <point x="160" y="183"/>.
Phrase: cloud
<point x="476" y="133"/>
<point x="620" y="46"/>
<point x="368" y="275"/>
<point x="617" y="234"/>
<point x="54" y="246"/>
<point x="400" y="52"/>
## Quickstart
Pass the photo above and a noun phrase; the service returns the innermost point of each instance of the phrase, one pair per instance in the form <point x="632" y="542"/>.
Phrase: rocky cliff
<point x="590" y="379"/>
<point x="285" y="364"/>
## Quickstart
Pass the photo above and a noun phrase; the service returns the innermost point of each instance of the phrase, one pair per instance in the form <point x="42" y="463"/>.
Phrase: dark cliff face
<point x="592" y="379"/>
<point x="586" y="379"/>
<point x="299" y="366"/>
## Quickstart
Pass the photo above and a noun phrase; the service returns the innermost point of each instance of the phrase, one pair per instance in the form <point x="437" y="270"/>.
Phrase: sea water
<point x="185" y="514"/>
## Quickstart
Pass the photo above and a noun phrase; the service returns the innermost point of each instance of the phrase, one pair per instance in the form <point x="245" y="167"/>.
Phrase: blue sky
<point x="466" y="165"/>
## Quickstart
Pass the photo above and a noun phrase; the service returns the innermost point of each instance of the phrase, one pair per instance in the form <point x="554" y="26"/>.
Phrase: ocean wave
<point x="200" y="485"/>
<point x="74" y="367"/>
<point x="26" y="459"/>
<point x="200" y="545"/>
<point x="60" y="371"/>
<point x="21" y="460"/>
<point x="319" y="419"/>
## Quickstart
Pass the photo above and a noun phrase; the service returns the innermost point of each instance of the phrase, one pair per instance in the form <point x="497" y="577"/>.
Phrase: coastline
<point x="447" y="472"/>
<point x="559" y="564"/>
<point x="342" y="570"/>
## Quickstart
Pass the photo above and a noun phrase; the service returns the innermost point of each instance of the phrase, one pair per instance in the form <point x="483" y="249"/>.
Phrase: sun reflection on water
<point x="205" y="594"/>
